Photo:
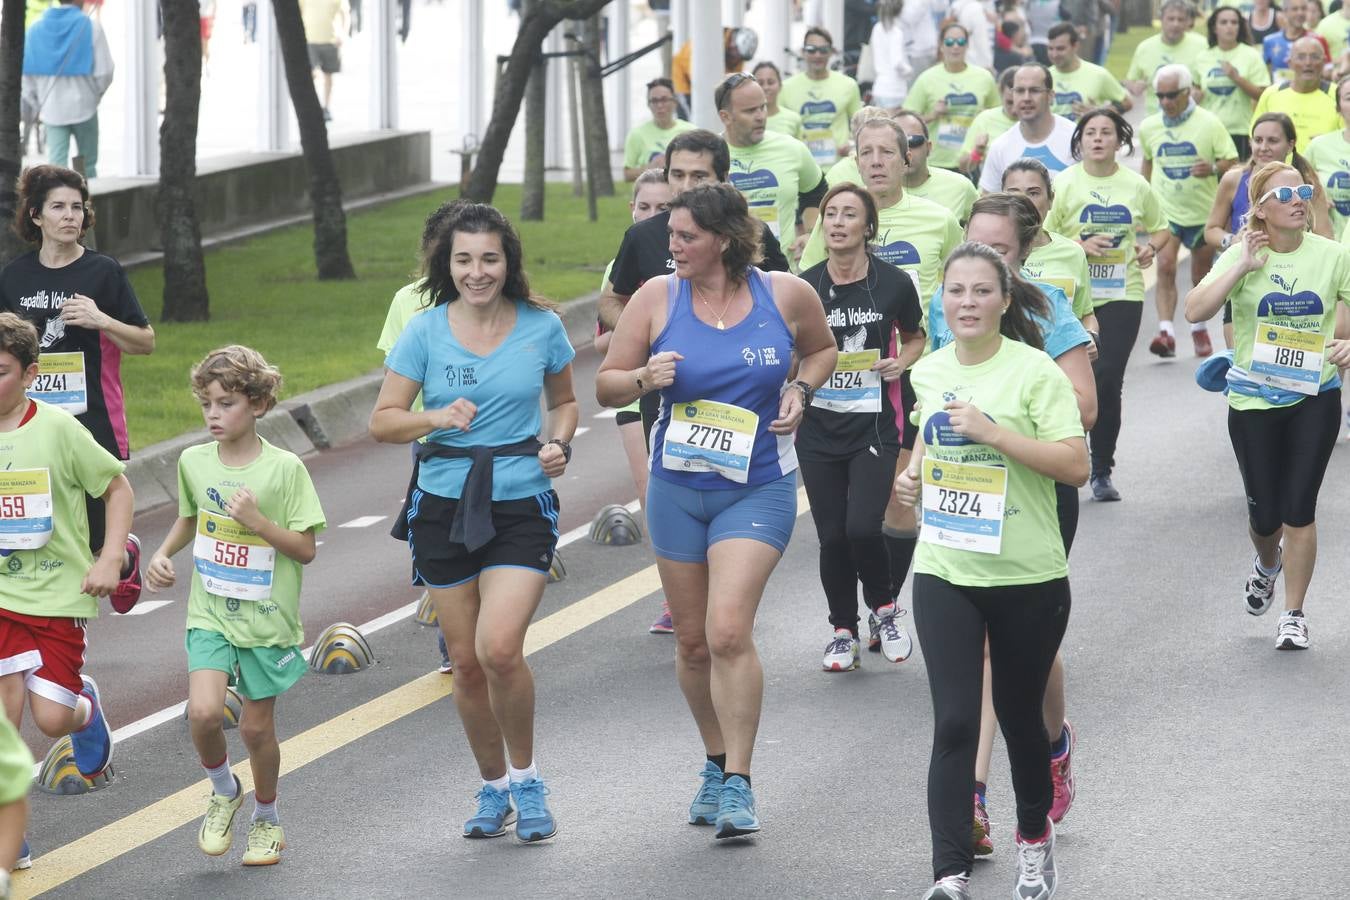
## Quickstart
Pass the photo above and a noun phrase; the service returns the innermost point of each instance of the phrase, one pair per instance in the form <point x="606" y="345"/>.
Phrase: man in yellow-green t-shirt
<point x="645" y="146"/>
<point x="824" y="99"/>
<point x="1307" y="100"/>
<point x="1080" y="85"/>
<point x="1176" y="44"/>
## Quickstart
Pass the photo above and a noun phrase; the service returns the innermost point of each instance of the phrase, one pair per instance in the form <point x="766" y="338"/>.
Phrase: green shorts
<point x="256" y="672"/>
<point x="16" y="764"/>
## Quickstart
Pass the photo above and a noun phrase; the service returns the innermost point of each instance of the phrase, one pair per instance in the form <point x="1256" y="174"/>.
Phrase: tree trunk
<point x="325" y="191"/>
<point x="185" y="298"/>
<point x="534" y="28"/>
<point x="536" y="99"/>
<point x="593" y="109"/>
<point x="11" y="151"/>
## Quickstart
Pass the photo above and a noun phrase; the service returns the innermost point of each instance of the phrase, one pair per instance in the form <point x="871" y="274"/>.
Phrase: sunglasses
<point x="814" y="50"/>
<point x="725" y="88"/>
<point x="1286" y="194"/>
<point x="916" y="141"/>
<point x="953" y="42"/>
<point x="1170" y="95"/>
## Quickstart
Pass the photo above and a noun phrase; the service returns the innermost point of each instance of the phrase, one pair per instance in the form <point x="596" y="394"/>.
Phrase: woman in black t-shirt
<point x="87" y="315"/>
<point x="850" y="436"/>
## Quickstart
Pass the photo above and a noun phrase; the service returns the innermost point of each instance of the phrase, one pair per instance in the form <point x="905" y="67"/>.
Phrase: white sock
<point x="84" y="709"/>
<point x="525" y="774"/>
<point x="266" y="811"/>
<point x="1198" y="327"/>
<point x="498" y="784"/>
<point x="1166" y="328"/>
<point x="222" y="779"/>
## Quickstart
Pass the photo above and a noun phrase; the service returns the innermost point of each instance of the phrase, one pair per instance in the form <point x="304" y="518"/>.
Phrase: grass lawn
<point x="1122" y="48"/>
<point x="264" y="294"/>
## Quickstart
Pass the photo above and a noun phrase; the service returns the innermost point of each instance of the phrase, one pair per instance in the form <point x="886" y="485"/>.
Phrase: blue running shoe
<point x="25" y="860"/>
<point x="93" y="744"/>
<point x="736" y="815"/>
<point x="708" y="800"/>
<point x="533" y="820"/>
<point x="494" y="814"/>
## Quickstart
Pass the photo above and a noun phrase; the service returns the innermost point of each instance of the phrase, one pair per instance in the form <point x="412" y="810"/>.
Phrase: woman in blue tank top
<point x="1273" y="140"/>
<point x="718" y="339"/>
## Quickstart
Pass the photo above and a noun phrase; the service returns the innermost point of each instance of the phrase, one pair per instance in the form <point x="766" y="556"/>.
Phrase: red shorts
<point x="48" y="651"/>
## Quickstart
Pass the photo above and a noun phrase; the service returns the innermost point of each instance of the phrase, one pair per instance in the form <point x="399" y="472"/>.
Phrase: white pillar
<point x="834" y="21"/>
<point x="383" y="65"/>
<point x="274" y="100"/>
<point x="773" y="42"/>
<point x="619" y="85"/>
<point x="471" y="82"/>
<point x="679" y="23"/>
<point x="707" y="68"/>
<point x="555" y="124"/>
<point x="140" y="141"/>
<point x="733" y="13"/>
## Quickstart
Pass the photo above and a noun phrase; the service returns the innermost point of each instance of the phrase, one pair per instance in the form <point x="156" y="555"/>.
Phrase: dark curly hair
<point x="34" y="185"/>
<point x="1124" y="131"/>
<point x="722" y="210"/>
<point x="464" y="217"/>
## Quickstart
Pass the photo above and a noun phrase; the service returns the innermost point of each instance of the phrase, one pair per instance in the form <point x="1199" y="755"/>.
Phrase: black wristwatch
<point x="807" y="391"/>
<point x="566" y="448"/>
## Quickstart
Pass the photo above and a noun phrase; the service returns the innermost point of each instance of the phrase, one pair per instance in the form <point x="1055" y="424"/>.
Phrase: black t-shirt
<point x="864" y="315"/>
<point x="645" y="253"/>
<point x="37" y="293"/>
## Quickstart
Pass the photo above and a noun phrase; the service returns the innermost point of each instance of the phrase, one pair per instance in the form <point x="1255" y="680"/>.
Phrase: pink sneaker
<point x="128" y="590"/>
<point x="984" y="843"/>
<point x="1061" y="776"/>
<point x="663" y="624"/>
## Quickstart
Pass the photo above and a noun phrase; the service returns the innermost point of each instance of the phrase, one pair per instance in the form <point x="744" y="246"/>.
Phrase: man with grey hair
<point x="1306" y="99"/>
<point x="1177" y="43"/>
<point x="1186" y="150"/>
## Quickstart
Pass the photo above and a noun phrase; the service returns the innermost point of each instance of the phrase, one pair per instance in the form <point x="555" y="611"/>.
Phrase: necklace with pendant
<point x="722" y="315"/>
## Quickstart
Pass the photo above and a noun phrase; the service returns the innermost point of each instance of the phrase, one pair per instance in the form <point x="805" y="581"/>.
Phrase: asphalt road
<point x="1208" y="765"/>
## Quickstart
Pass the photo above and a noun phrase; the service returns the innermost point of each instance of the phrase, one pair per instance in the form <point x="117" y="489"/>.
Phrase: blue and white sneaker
<point x="25" y="860"/>
<point x="534" y="822"/>
<point x="92" y="744"/>
<point x="736" y="815"/>
<point x="708" y="800"/>
<point x="494" y="814"/>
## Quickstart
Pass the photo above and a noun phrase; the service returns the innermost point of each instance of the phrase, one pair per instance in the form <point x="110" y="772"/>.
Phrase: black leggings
<point x="1066" y="507"/>
<point x="1119" y="322"/>
<point x="1025" y="624"/>
<point x="1283" y="454"/>
<point x="848" y="501"/>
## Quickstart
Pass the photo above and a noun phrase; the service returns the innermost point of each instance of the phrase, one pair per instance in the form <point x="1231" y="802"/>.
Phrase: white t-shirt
<point x="973" y="16"/>
<point x="1011" y="145"/>
<point x="921" y="36"/>
<point x="892" y="65"/>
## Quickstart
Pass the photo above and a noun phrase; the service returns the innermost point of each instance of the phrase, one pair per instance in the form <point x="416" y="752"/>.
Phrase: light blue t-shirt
<point x="1060" y="335"/>
<point x="505" y="386"/>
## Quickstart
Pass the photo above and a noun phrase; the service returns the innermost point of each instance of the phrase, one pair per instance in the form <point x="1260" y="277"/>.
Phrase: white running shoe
<point x="952" y="887"/>
<point x="896" y="645"/>
<point x="841" y="654"/>
<point x="1292" y="632"/>
<point x="1036" y="877"/>
<point x="1261" y="587"/>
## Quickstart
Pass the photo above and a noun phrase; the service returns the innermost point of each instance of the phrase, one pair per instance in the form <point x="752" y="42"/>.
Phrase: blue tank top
<point x="1242" y="204"/>
<point x="744" y="366"/>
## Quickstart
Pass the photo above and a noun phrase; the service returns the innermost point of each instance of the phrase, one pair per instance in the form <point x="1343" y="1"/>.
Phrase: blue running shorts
<point x="684" y="521"/>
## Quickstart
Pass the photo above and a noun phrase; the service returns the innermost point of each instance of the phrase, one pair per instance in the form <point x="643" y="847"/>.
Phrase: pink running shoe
<point x="1061" y="776"/>
<point x="984" y="843"/>
<point x="128" y="590"/>
<point x="663" y="624"/>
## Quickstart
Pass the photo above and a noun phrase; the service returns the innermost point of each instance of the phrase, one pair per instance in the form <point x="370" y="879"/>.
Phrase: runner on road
<point x="950" y="94"/>
<point x="1176" y="43"/>
<point x="824" y="99"/>
<point x="1039" y="134"/>
<point x="1232" y="75"/>
<point x="645" y="146"/>
<point x="1080" y="85"/>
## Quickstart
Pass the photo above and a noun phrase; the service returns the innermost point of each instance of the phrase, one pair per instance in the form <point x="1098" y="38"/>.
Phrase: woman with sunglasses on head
<point x="849" y="437"/>
<point x="1284" y="397"/>
<point x="1101" y="205"/>
<point x="950" y="94"/>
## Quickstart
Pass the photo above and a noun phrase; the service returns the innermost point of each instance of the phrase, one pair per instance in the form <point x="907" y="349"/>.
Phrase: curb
<point x="329" y="416"/>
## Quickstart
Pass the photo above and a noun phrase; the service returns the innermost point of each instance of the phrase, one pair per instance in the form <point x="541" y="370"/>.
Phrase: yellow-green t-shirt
<point x="914" y="235"/>
<point x="785" y="121"/>
<point x="1024" y="391"/>
<point x="16" y="764"/>
<point x="285" y="495"/>
<point x="1152" y="54"/>
<point x="1063" y="264"/>
<point x="825" y="107"/>
<point x="1089" y="83"/>
<point x="1335" y="27"/>
<point x="1174" y="150"/>
<point x="408" y="303"/>
<point x="1330" y="156"/>
<point x="771" y="174"/>
<point x="949" y="190"/>
<point x="992" y="122"/>
<point x="967" y="93"/>
<point x="1220" y="95"/>
<point x="1118" y="205"/>
<point x="1313" y="113"/>
<point x="844" y="170"/>
<point x="48" y="465"/>
<point x="1297" y="290"/>
<point x="648" y="141"/>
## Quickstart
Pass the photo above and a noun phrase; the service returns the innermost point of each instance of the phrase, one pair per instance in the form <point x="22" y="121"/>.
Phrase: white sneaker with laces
<point x="1261" y="587"/>
<point x="896" y="645"/>
<point x="1036" y="876"/>
<point x="841" y="654"/>
<point x="952" y="887"/>
<point x="1292" y="631"/>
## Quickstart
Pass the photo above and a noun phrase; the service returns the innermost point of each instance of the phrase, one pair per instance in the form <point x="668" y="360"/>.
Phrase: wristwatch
<point x="807" y="391"/>
<point x="566" y="448"/>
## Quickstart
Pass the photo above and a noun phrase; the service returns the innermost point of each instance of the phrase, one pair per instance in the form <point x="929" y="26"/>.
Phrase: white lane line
<point x="605" y="414"/>
<point x="363" y="521"/>
<point x="581" y="429"/>
<point x="176" y="711"/>
<point x="146" y="606"/>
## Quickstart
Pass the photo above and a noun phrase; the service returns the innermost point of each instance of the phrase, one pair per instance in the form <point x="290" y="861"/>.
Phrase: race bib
<point x="1287" y="358"/>
<point x="231" y="559"/>
<point x="25" y="509"/>
<point x="1066" y="285"/>
<point x="768" y="214"/>
<point x="1108" y="272"/>
<point x="963" y="505"/>
<point x="820" y="141"/>
<point x="60" y="382"/>
<point x="952" y="132"/>
<point x="704" y="436"/>
<point x="853" y="387"/>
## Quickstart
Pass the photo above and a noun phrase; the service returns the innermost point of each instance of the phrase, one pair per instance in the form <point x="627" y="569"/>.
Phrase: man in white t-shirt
<point x="1039" y="133"/>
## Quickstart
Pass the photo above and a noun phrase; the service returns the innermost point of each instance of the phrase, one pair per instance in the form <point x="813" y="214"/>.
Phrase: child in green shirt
<point x="251" y="513"/>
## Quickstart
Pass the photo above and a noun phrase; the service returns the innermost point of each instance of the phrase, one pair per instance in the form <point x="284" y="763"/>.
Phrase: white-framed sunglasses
<point x="1285" y="194"/>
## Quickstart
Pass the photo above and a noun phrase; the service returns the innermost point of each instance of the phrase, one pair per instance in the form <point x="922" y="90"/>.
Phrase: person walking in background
<point x="891" y="85"/>
<point x="67" y="68"/>
<point x="325" y="22"/>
